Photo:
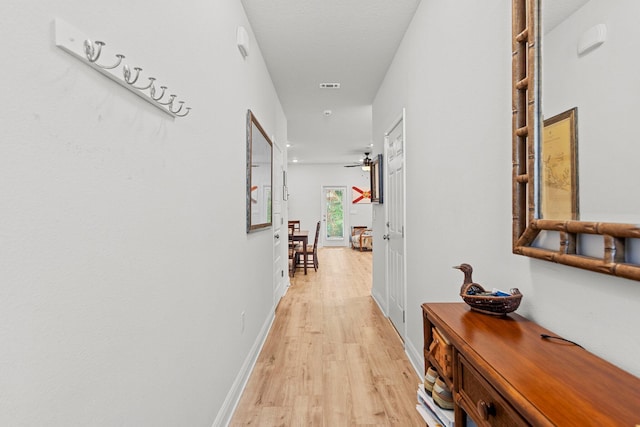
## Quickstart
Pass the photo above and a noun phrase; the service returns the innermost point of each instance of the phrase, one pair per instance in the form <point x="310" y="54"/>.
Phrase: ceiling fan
<point x="364" y="163"/>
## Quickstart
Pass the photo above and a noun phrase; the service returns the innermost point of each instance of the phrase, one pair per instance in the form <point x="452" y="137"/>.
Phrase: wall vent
<point x="329" y="85"/>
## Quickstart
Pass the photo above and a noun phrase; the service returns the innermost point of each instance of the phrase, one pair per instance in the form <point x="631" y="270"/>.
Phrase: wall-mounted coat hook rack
<point x="72" y="41"/>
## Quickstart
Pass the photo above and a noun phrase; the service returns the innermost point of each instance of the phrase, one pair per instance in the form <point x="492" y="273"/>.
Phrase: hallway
<point x="331" y="357"/>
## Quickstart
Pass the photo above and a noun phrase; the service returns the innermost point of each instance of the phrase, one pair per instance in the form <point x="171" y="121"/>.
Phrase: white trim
<point x="416" y="357"/>
<point x="233" y="397"/>
<point x="281" y="284"/>
<point x="343" y="241"/>
<point x="401" y="119"/>
<point x="377" y="298"/>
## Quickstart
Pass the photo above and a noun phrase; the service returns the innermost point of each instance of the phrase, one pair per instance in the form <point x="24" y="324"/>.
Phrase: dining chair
<point x="292" y="262"/>
<point x="293" y="248"/>
<point x="312" y="252"/>
<point x="293" y="244"/>
<point x="295" y="223"/>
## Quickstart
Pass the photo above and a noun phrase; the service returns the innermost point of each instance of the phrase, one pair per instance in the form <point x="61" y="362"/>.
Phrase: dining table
<point x="303" y="237"/>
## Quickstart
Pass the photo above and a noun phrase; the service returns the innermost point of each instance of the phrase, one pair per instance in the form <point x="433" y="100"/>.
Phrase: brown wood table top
<point x="547" y="379"/>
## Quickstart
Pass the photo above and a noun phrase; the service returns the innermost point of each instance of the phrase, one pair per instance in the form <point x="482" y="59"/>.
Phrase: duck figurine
<point x="468" y="286"/>
<point x="496" y="303"/>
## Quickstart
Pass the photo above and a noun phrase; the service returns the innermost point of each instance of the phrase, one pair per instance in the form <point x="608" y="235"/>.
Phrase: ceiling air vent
<point x="329" y="85"/>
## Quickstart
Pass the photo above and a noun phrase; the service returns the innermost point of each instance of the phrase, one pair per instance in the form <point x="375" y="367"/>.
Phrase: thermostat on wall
<point x="242" y="39"/>
<point x="592" y="38"/>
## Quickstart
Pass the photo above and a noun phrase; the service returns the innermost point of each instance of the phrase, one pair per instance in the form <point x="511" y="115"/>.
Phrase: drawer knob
<point x="485" y="409"/>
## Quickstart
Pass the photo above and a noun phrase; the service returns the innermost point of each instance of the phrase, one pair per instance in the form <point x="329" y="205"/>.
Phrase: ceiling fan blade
<point x="365" y="161"/>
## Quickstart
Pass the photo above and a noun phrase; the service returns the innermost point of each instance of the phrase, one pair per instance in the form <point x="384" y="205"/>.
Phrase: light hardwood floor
<point x="331" y="357"/>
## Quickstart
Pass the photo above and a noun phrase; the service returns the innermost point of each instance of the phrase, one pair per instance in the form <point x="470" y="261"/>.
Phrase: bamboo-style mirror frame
<point x="259" y="175"/>
<point x="527" y="223"/>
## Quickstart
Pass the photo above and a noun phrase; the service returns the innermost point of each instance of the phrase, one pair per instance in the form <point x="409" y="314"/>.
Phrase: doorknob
<point x="386" y="237"/>
<point x="276" y="236"/>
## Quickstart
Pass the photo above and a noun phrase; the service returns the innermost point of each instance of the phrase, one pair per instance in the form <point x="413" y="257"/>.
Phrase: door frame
<point x="401" y="119"/>
<point x="345" y="217"/>
<point x="280" y="257"/>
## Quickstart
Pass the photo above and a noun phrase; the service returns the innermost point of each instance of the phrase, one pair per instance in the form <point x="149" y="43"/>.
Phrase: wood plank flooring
<point x="331" y="357"/>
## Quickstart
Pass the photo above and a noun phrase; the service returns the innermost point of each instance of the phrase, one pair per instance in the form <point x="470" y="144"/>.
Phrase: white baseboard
<point x="379" y="299"/>
<point x="416" y="358"/>
<point x="233" y="397"/>
<point x="282" y="290"/>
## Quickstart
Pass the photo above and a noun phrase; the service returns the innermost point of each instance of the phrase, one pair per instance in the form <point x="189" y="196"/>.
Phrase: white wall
<point x="305" y="189"/>
<point x="123" y="255"/>
<point x="453" y="76"/>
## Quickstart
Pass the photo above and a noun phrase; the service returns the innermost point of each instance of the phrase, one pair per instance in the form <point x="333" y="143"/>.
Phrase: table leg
<point x="305" y="242"/>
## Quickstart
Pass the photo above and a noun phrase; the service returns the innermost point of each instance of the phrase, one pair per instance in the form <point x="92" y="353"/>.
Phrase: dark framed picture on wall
<point x="375" y="178"/>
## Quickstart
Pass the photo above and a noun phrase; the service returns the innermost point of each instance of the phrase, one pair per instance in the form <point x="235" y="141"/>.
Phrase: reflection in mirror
<point x="259" y="174"/>
<point x="559" y="167"/>
<point x="601" y="82"/>
<point x="595" y="81"/>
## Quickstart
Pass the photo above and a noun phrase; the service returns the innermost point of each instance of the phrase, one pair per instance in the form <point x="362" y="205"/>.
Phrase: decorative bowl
<point x="489" y="303"/>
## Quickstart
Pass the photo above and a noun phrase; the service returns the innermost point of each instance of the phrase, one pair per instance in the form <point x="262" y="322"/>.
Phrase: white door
<point x="280" y="258"/>
<point x="395" y="220"/>
<point x="334" y="217"/>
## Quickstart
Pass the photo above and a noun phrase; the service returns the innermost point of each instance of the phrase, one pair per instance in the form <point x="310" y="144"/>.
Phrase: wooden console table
<point x="505" y="374"/>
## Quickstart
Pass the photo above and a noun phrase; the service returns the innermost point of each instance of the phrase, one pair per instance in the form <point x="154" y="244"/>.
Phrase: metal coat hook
<point x="93" y="54"/>
<point x="126" y="72"/>
<point x="90" y="50"/>
<point x="186" y="112"/>
<point x="72" y="41"/>
<point x="169" y="102"/>
<point x="152" y="92"/>
<point x="151" y="80"/>
<point x="187" y="109"/>
<point x="179" y="107"/>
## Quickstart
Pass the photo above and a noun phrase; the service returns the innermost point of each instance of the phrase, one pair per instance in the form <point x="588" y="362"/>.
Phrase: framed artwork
<point x="259" y="175"/>
<point x="559" y="167"/>
<point x="375" y="178"/>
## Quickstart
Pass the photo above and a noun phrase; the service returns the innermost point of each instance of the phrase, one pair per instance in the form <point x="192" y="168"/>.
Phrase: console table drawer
<point x="481" y="401"/>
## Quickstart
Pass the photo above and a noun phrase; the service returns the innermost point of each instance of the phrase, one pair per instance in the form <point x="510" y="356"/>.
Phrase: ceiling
<point x="554" y="12"/>
<point x="351" y="42"/>
<point x="309" y="42"/>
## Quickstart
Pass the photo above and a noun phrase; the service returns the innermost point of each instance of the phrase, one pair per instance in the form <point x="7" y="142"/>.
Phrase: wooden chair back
<point x="312" y="252"/>
<point x="315" y="240"/>
<point x="295" y="223"/>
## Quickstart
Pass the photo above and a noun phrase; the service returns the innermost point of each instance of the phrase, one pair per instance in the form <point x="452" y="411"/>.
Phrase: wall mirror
<point x="259" y="175"/>
<point x="550" y="78"/>
<point x="376" y="179"/>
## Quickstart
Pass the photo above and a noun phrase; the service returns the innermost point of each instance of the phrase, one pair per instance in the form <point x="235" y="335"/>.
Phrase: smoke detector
<point x="327" y="113"/>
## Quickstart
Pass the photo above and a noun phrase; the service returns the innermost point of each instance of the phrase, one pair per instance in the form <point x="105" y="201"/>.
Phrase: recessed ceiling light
<point x="295" y="160"/>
